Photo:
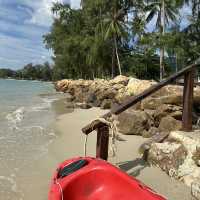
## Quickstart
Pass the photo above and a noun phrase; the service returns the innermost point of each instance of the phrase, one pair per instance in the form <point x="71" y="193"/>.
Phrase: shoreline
<point x="69" y="143"/>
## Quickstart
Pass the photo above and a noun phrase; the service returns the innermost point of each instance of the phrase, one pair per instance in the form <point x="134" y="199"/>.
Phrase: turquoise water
<point x="25" y="132"/>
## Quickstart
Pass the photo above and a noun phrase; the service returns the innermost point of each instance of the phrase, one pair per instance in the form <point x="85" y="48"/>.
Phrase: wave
<point x="16" y="117"/>
<point x="45" y="106"/>
<point x="11" y="181"/>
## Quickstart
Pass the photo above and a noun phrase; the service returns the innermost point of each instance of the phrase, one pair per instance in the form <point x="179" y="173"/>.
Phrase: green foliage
<point x="30" y="72"/>
<point x="5" y="73"/>
<point x="105" y="37"/>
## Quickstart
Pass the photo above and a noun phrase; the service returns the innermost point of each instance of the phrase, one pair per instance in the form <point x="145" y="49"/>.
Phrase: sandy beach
<point x="71" y="143"/>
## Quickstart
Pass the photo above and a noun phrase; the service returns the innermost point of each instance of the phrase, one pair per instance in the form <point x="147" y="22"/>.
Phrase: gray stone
<point x="168" y="156"/>
<point x="91" y="98"/>
<point x="134" y="122"/>
<point x="167" y="110"/>
<point x="106" y="104"/>
<point x="168" y="124"/>
<point x="151" y="132"/>
<point x="195" y="189"/>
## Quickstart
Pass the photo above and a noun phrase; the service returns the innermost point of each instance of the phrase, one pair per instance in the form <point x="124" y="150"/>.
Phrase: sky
<point x="22" y="25"/>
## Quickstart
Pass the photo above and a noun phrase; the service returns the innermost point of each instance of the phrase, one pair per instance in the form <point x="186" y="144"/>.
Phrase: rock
<point x="195" y="189"/>
<point x="83" y="105"/>
<point x="168" y="156"/>
<point x="155" y="102"/>
<point x="167" y="110"/>
<point x="168" y="124"/>
<point x="169" y="90"/>
<point x="136" y="86"/>
<point x="196" y="156"/>
<point x="106" y="93"/>
<point x="151" y="132"/>
<point x="62" y="85"/>
<point x="92" y="100"/>
<point x="106" y="104"/>
<point x="188" y="171"/>
<point x="133" y="122"/>
<point x="120" y="80"/>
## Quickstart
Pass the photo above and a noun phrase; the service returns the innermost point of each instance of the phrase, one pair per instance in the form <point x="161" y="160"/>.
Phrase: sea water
<point x="25" y="132"/>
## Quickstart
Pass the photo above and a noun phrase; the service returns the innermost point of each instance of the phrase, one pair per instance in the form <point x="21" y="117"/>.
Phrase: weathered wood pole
<point x="188" y="100"/>
<point x="102" y="142"/>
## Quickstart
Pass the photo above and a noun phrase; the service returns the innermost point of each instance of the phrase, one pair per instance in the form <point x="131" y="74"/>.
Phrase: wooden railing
<point x="103" y="129"/>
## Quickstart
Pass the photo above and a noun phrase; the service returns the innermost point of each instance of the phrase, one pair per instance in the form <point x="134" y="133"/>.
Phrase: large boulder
<point x="168" y="156"/>
<point x="169" y="90"/>
<point x="195" y="189"/>
<point x="168" y="124"/>
<point x="106" y="93"/>
<point x="178" y="156"/>
<point x="134" y="122"/>
<point x="62" y="85"/>
<point x="155" y="102"/>
<point x="167" y="110"/>
<point x="189" y="170"/>
<point x="106" y="104"/>
<point x="136" y="86"/>
<point x="123" y="80"/>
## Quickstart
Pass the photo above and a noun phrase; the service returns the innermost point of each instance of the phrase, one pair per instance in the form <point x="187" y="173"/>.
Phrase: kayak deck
<point x="98" y="180"/>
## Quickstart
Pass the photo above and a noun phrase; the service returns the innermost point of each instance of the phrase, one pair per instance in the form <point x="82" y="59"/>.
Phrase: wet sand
<point x="70" y="143"/>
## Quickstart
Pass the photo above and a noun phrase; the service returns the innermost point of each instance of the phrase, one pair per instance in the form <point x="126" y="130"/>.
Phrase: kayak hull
<point x="98" y="180"/>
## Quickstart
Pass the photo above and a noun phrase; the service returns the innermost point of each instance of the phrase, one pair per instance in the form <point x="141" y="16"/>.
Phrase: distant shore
<point x="22" y="79"/>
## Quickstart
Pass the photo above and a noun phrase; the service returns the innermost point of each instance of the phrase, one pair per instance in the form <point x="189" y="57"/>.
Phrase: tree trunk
<point x="162" y="50"/>
<point x="161" y="63"/>
<point x="117" y="55"/>
<point x="176" y="55"/>
<point x="113" y="62"/>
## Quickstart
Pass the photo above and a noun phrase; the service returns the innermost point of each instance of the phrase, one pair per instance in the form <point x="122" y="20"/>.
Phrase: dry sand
<point x="71" y="143"/>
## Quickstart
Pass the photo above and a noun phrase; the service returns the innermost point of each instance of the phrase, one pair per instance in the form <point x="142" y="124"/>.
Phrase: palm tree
<point x="115" y="29"/>
<point x="164" y="11"/>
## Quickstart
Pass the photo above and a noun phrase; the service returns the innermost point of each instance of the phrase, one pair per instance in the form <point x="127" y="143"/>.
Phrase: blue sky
<point x="22" y="25"/>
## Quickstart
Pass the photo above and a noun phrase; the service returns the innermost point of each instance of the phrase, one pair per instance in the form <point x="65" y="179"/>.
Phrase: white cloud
<point x="75" y="3"/>
<point x="41" y="14"/>
<point x="17" y="52"/>
<point x="23" y="23"/>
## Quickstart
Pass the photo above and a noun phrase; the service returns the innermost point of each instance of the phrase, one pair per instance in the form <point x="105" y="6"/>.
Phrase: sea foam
<point x="16" y="117"/>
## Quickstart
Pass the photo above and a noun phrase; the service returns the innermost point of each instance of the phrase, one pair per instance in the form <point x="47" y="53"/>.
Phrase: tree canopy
<point x="105" y="38"/>
<point x="43" y="72"/>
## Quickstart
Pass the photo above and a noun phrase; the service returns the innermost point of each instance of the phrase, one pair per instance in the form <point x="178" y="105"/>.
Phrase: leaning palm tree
<point x="164" y="11"/>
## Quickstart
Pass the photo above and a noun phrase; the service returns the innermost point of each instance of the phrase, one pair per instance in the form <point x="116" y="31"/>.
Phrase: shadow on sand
<point x="133" y="167"/>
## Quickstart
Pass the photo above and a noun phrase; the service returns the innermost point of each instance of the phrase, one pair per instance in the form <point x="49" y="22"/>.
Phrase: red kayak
<point x="95" y="179"/>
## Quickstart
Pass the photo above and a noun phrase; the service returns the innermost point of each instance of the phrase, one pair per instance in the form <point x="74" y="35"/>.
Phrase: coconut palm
<point x="115" y="28"/>
<point x="164" y="11"/>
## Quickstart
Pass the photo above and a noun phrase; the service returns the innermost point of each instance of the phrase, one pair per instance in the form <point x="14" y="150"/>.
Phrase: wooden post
<point x="102" y="142"/>
<point x="188" y="100"/>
